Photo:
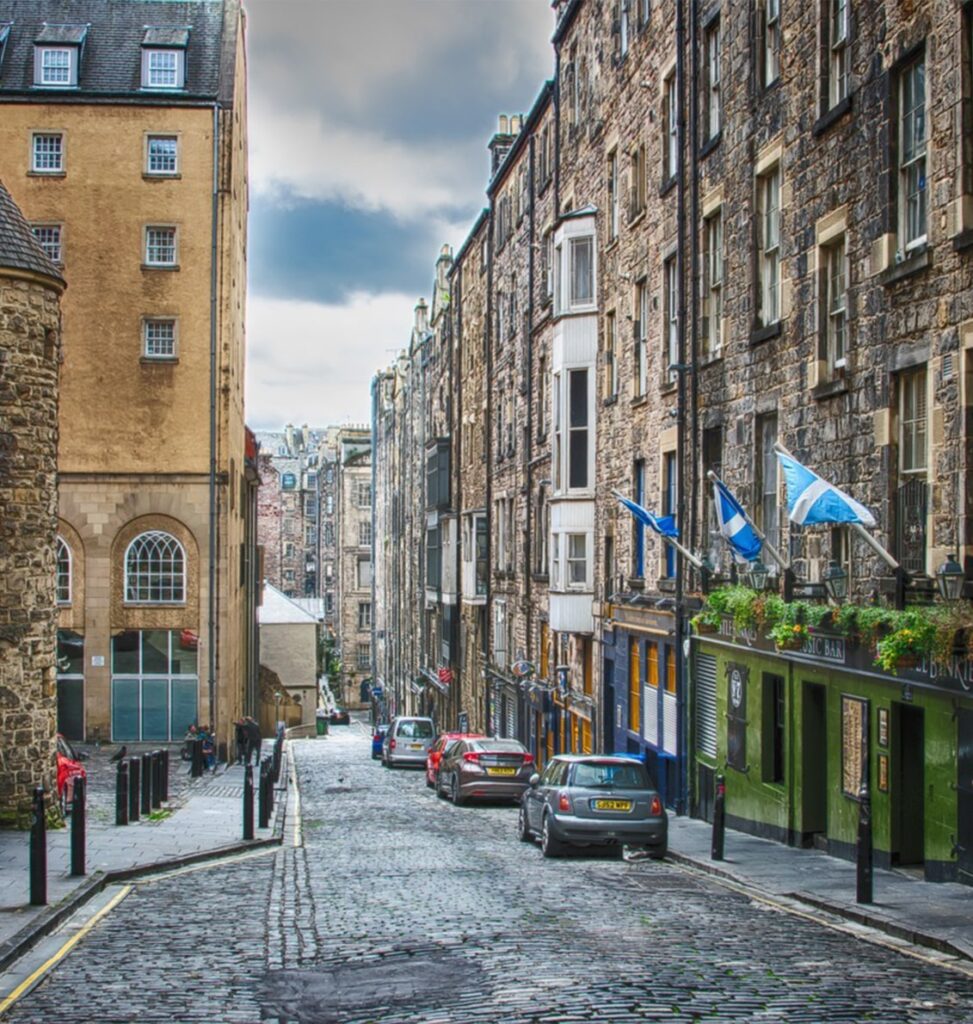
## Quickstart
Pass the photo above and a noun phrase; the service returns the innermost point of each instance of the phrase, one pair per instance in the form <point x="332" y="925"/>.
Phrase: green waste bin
<point x="322" y="722"/>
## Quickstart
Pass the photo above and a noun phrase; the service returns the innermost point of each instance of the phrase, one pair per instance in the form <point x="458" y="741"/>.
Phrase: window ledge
<point x="158" y="176"/>
<point x="916" y="262"/>
<point x="610" y="400"/>
<point x="158" y="360"/>
<point x="635" y="583"/>
<point x="47" y="174"/>
<point x="963" y="241"/>
<point x="640" y="399"/>
<point x="668" y="387"/>
<point x="640" y="216"/>
<point x="830" y="388"/>
<point x="832" y="116"/>
<point x="710" y="144"/>
<point x="761" y="334"/>
<point x="709" y="360"/>
<point x="668" y="184"/>
<point x="160" y="266"/>
<point x="539" y="577"/>
<point x="612" y="244"/>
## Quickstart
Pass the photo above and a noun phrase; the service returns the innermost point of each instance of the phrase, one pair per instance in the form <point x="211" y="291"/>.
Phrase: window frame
<point x="769" y="185"/>
<point x="154" y="172"/>
<point x="53" y="250"/>
<point x="670" y="320"/>
<point x="670" y="128"/>
<point x="834" y="316"/>
<point x="837" y="51"/>
<point x="41" y="51"/>
<point x="714" y="270"/>
<point x="907" y="165"/>
<point x="610" y="377"/>
<point x="767" y="490"/>
<point x="178" y="68"/>
<point x="170" y="230"/>
<point x="713" y="85"/>
<point x="177" y="585"/>
<point x="148" y="322"/>
<point x="614" y="211"/>
<point x="36" y="138"/>
<point x="913" y="383"/>
<point x="640" y="378"/>
<point x="64" y="566"/>
<point x="770" y="42"/>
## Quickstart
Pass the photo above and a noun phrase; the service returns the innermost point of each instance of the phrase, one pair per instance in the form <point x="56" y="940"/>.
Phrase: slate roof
<point x="18" y="247"/>
<point x="111" y="51"/>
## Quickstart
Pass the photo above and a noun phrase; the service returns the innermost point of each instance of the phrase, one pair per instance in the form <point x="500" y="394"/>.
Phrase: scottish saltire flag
<point x="734" y="524"/>
<point x="812" y="500"/>
<point x="665" y="526"/>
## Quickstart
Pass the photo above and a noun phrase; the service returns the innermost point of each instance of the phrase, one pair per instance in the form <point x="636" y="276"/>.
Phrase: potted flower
<point x="910" y="640"/>
<point x="789" y="636"/>
<point x="707" y="620"/>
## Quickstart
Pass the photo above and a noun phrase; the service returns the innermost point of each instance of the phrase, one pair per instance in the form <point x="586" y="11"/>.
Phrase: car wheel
<point x="440" y="792"/>
<point x="429" y="783"/>
<point x="523" y="827"/>
<point x="658" y="852"/>
<point x="550" y="846"/>
<point x="454" y="793"/>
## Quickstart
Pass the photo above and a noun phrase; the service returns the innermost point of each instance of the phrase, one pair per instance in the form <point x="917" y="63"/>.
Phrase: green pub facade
<point x="797" y="734"/>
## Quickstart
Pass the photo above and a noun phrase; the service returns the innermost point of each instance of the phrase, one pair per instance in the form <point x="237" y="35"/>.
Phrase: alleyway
<point x="402" y="909"/>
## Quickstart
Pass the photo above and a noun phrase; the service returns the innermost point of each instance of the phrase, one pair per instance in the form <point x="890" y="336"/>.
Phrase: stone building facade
<point x="731" y="225"/>
<point x="30" y="352"/>
<point x="117" y="121"/>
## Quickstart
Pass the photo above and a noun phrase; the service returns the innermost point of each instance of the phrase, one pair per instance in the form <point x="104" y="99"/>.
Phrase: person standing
<point x="242" y="741"/>
<point x="254" y="740"/>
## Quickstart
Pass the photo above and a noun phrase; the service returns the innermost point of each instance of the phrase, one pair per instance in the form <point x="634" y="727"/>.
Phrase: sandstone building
<point x="123" y="138"/>
<point x="30" y="351"/>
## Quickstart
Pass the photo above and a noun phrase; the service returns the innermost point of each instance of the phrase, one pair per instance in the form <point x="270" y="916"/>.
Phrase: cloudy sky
<point x="369" y="121"/>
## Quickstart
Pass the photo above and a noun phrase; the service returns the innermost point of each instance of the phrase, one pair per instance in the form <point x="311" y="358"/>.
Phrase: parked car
<point x="593" y="800"/>
<point x="378" y="738"/>
<point x="408" y="741"/>
<point x="443" y="740"/>
<point x="339" y="716"/>
<point x="69" y="768"/>
<point x="493" y="768"/>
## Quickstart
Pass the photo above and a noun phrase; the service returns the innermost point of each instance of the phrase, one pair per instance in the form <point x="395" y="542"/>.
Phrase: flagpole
<point x="857" y="527"/>
<point x="771" y="550"/>
<point x="691" y="558"/>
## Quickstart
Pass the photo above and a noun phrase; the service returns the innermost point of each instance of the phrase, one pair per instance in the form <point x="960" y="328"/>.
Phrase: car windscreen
<point x="500" y="746"/>
<point x="416" y="729"/>
<point x="610" y="775"/>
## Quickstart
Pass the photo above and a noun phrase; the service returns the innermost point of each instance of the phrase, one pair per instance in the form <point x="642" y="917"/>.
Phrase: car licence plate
<point x="501" y="771"/>
<point x="612" y="805"/>
<point x="415" y="746"/>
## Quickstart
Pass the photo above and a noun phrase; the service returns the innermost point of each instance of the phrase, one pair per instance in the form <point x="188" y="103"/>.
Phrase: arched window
<point x="63" y="583"/>
<point x="155" y="569"/>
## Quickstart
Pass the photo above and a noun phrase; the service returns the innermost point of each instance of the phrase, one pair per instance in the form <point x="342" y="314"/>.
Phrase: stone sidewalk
<point x="205" y="820"/>
<point x="934" y="914"/>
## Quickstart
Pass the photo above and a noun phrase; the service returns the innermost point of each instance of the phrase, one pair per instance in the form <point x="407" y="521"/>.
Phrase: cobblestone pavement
<point x="402" y="909"/>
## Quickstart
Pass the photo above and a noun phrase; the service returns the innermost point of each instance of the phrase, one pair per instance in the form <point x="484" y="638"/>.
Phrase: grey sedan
<point x="593" y="800"/>
<point x="497" y="769"/>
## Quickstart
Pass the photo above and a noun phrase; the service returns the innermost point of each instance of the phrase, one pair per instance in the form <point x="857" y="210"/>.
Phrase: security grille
<point x="706" y="704"/>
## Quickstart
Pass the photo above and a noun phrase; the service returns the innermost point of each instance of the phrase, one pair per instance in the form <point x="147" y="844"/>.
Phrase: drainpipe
<point x="681" y="565"/>
<point x="529" y="462"/>
<point x="488" y="438"/>
<point x="456" y="353"/>
<point x="376" y="391"/>
<point x="212" y="629"/>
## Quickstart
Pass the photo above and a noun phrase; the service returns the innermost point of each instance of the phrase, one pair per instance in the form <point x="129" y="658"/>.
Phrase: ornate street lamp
<point x="950" y="578"/>
<point x="757" y="574"/>
<point x="835" y="581"/>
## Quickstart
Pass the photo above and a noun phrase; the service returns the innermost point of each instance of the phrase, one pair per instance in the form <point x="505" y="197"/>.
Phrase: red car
<point x="436" y="753"/>
<point x="69" y="768"/>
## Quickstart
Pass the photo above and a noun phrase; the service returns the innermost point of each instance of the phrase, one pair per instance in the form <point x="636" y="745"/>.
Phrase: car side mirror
<point x="534" y="780"/>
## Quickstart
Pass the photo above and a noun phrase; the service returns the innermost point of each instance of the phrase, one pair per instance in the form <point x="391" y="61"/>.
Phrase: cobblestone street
<point x="402" y="909"/>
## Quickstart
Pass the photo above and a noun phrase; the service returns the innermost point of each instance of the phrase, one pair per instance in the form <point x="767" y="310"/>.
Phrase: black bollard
<point x="863" y="888"/>
<point x="719" y="819"/>
<point x="196" y="769"/>
<point x="270" y="788"/>
<point x="146" y="785"/>
<point x="78" y="827"/>
<point x="156" y="779"/>
<point x="121" y="794"/>
<point x="276" y="761"/>
<point x="263" y="811"/>
<point x="165" y="775"/>
<point x="38" y="851"/>
<point x="248" y="802"/>
<point x="134" y="788"/>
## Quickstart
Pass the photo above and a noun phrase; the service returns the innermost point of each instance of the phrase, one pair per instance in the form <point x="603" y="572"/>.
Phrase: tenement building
<point x="30" y="351"/>
<point x="729" y="238"/>
<point x="123" y="139"/>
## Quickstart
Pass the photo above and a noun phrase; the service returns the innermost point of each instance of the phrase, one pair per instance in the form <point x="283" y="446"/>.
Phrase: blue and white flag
<point x="812" y="500"/>
<point x="665" y="526"/>
<point x="734" y="524"/>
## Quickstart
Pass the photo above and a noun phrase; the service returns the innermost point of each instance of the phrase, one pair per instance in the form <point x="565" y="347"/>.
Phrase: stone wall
<point x="29" y="353"/>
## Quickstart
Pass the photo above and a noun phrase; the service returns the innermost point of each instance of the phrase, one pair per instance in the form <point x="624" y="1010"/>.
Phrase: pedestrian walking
<point x="242" y="740"/>
<point x="253" y="735"/>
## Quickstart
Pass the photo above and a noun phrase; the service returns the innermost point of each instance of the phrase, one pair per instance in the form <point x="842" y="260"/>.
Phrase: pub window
<point x="773" y="725"/>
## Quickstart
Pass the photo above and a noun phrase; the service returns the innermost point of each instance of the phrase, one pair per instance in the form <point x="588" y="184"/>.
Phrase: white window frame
<point x="624" y="28"/>
<point x="713" y="98"/>
<point x="64" y="571"/>
<point x="365" y="534"/>
<point x="364" y="655"/>
<point x="363" y="561"/>
<point x="835" y="264"/>
<point x="364" y="614"/>
<point x="913" y="202"/>
<point x="771" y="42"/>
<point x="670" y="129"/>
<point x="611" y="355"/>
<point x="149" y="342"/>
<point x="613" y="197"/>
<point x="48" y="74"/>
<point x="572" y="560"/>
<point x="151" y="71"/>
<point x="162" y="172"/>
<point x="167" y="544"/>
<point x="768" y="254"/>
<point x="713" y="270"/>
<point x="42" y="159"/>
<point x="557" y="440"/>
<point x="50" y="237"/>
<point x="670" y="319"/>
<point x="161" y="246"/>
<point x="839" y="55"/>
<point x="641" y="375"/>
<point x="913" y="402"/>
<point x="577" y="299"/>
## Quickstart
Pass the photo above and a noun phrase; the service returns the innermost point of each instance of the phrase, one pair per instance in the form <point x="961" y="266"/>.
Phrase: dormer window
<point x="57" y="51"/>
<point x="4" y="36"/>
<point x="164" y="58"/>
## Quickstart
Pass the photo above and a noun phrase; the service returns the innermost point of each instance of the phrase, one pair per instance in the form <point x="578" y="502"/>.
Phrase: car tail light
<point x="391" y="744"/>
<point x="528" y="759"/>
<point x="563" y="803"/>
<point x="656" y="809"/>
<point x="472" y="756"/>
